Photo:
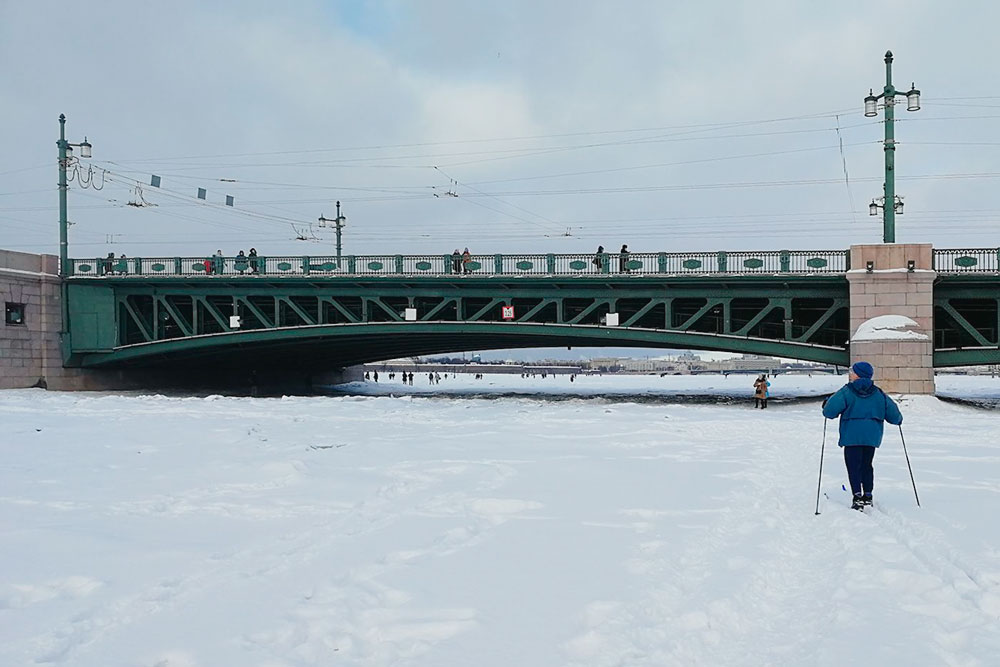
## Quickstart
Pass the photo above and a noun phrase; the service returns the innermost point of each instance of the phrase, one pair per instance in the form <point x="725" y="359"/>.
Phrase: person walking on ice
<point x="863" y="409"/>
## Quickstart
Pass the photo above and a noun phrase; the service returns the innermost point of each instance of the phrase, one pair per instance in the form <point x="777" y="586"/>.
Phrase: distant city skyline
<point x="581" y="353"/>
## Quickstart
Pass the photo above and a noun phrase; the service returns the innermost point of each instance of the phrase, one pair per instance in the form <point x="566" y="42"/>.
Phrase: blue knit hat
<point x="863" y="369"/>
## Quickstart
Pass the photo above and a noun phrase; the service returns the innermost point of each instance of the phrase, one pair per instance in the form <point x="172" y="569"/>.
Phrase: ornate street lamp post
<point x="338" y="224"/>
<point x="889" y="202"/>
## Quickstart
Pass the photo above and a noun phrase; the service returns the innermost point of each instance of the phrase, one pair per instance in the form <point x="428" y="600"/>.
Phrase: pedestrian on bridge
<point x="466" y="261"/>
<point x="456" y="261"/>
<point x="599" y="257"/>
<point x="863" y="408"/>
<point x="623" y="260"/>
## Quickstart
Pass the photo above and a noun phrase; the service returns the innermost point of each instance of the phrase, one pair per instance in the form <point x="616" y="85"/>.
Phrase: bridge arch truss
<point x="123" y="322"/>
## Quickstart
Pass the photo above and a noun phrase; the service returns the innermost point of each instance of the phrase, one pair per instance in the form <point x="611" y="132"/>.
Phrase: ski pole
<point x="908" y="465"/>
<point x="819" y="483"/>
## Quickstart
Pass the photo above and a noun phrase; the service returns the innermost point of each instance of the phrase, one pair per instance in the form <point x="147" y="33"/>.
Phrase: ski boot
<point x="866" y="499"/>
<point x="858" y="503"/>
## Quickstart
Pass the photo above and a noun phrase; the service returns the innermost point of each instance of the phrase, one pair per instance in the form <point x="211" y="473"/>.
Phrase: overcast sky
<point x="559" y="125"/>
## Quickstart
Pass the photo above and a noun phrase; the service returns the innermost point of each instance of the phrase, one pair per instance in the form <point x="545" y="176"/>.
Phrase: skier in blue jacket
<point x="862" y="408"/>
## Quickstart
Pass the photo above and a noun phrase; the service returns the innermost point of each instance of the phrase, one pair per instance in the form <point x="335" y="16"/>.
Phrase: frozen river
<point x="626" y="523"/>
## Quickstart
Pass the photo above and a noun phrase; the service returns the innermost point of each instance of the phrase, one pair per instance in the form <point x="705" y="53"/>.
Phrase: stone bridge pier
<point x="889" y="283"/>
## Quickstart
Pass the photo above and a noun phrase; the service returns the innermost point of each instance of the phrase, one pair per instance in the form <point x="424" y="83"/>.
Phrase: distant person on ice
<point x="862" y="408"/>
<point x="760" y="392"/>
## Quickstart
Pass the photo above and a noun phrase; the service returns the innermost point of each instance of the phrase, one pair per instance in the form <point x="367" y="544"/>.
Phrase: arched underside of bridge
<point x="336" y="346"/>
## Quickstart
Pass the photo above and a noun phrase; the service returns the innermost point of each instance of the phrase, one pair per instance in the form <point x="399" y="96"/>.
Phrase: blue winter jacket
<point x="862" y="408"/>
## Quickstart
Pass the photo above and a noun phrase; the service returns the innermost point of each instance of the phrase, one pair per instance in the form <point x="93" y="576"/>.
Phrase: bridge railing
<point x="967" y="260"/>
<point x="738" y="262"/>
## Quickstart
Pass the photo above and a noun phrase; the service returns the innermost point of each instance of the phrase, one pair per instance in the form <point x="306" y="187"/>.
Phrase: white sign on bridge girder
<point x="507" y="312"/>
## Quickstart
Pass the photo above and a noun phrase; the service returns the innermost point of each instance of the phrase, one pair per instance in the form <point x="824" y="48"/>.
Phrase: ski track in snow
<point x="758" y="620"/>
<point x="368" y="548"/>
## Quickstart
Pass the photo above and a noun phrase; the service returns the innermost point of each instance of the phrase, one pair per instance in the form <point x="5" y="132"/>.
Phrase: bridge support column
<point x="903" y="355"/>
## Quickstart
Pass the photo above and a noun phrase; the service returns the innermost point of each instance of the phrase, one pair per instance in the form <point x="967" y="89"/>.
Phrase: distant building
<point x="748" y="362"/>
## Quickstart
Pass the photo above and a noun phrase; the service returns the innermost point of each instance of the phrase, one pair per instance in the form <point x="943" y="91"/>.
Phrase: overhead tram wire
<point x="701" y="126"/>
<point x="939" y="118"/>
<point x="220" y="208"/>
<point x="278" y="185"/>
<point x="221" y="180"/>
<point x="509" y="154"/>
<point x="666" y="164"/>
<point x="188" y="201"/>
<point x="495" y="195"/>
<point x="550" y="222"/>
<point x="973" y="218"/>
<point x="959" y="104"/>
<point x="480" y="191"/>
<point x="655" y="140"/>
<point x="730" y="185"/>
<point x="618" y="169"/>
<point x="22" y="169"/>
<point x="237" y="182"/>
<point x="264" y="202"/>
<point x="157" y="211"/>
<point x="843" y="161"/>
<point x="628" y="141"/>
<point x="270" y="204"/>
<point x="207" y="241"/>
<point x="27" y="192"/>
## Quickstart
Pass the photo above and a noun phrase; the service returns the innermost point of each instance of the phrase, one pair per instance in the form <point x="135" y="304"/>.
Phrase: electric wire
<point x="169" y="199"/>
<point x="693" y="127"/>
<point x="520" y="208"/>
<point x="663" y="164"/>
<point x="843" y="161"/>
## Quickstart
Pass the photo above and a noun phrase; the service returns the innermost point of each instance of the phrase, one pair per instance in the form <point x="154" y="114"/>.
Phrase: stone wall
<point x="30" y="355"/>
<point x="28" y="281"/>
<point x="891" y="288"/>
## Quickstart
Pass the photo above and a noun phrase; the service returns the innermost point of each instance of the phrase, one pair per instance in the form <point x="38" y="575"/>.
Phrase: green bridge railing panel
<point x="967" y="260"/>
<point x="549" y="264"/>
<point x="741" y="262"/>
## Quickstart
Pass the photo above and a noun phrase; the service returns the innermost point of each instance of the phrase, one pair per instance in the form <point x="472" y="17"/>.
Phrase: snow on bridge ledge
<point x="888" y="327"/>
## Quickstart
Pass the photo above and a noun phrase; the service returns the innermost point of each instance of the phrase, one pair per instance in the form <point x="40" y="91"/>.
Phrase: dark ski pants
<point x="859" y="468"/>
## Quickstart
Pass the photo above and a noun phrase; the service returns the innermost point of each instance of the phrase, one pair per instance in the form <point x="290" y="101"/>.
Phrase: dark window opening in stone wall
<point x="14" y="313"/>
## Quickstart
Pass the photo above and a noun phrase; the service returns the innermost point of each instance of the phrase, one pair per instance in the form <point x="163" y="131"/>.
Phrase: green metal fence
<point x="741" y="262"/>
<point x="612" y="264"/>
<point x="967" y="260"/>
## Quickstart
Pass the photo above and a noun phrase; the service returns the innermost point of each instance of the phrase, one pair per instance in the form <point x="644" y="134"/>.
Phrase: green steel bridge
<point x="326" y="312"/>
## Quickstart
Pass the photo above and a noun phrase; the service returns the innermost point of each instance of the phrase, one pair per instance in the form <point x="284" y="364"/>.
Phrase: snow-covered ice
<point x="630" y="525"/>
